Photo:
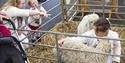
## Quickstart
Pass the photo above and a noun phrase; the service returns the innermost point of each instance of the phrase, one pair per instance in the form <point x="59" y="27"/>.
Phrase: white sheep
<point x="103" y="46"/>
<point x="86" y="23"/>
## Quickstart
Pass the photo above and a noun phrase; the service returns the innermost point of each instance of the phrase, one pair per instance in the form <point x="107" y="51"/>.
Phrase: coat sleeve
<point x="13" y="11"/>
<point x="117" y="48"/>
<point x="84" y="40"/>
<point x="43" y="9"/>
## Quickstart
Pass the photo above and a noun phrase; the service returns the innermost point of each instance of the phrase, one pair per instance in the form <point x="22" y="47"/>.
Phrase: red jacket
<point x="4" y="32"/>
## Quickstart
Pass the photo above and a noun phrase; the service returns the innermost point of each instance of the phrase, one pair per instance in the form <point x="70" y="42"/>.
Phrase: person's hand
<point x="4" y="15"/>
<point x="1" y="17"/>
<point x="45" y="15"/>
<point x="115" y="62"/>
<point x="8" y="17"/>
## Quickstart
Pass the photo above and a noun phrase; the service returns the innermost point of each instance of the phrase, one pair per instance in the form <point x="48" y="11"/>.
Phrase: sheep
<point x="86" y="23"/>
<point x="103" y="46"/>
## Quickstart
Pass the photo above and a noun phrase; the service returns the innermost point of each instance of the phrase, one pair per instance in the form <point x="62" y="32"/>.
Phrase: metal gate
<point x="42" y="51"/>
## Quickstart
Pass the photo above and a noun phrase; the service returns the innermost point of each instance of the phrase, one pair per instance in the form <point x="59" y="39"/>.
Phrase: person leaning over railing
<point x="101" y="29"/>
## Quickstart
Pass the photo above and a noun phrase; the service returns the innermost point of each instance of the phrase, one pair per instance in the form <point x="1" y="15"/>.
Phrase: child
<point x="35" y="21"/>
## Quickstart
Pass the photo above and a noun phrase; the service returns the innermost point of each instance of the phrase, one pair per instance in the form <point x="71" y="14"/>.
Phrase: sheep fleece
<point x="104" y="46"/>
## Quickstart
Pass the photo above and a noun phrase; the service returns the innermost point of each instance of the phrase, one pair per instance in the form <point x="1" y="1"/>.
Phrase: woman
<point x="101" y="29"/>
<point x="14" y="8"/>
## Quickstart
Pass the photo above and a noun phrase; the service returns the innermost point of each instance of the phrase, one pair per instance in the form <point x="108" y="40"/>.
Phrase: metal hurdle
<point x="69" y="12"/>
<point x="58" y="58"/>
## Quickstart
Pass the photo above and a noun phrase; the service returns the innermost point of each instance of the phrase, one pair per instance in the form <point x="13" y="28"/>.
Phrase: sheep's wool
<point x="104" y="46"/>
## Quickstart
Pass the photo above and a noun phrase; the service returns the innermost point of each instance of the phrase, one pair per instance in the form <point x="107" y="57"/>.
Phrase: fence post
<point x="64" y="11"/>
<point x="58" y="51"/>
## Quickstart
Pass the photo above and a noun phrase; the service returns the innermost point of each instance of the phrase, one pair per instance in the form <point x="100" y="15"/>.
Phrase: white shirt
<point x="14" y="11"/>
<point x="32" y="20"/>
<point x="92" y="41"/>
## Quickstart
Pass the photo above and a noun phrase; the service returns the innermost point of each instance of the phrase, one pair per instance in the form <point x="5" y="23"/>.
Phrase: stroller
<point x="11" y="50"/>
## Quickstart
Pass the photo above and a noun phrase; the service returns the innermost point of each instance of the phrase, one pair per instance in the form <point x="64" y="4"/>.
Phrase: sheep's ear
<point x="108" y="21"/>
<point x="107" y="18"/>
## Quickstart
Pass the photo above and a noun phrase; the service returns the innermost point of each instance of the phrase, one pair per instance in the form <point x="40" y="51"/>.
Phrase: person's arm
<point x="117" y="49"/>
<point x="14" y="11"/>
<point x="74" y="39"/>
<point x="84" y="40"/>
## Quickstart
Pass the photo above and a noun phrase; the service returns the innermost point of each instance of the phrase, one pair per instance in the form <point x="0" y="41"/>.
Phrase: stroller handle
<point x="12" y="23"/>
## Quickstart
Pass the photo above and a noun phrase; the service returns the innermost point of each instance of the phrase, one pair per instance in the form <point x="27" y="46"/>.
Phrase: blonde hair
<point x="29" y="2"/>
<point x="10" y="3"/>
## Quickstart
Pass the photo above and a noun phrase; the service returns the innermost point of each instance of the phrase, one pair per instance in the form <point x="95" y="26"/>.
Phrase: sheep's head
<point x="87" y="22"/>
<point x="91" y="19"/>
<point x="104" y="45"/>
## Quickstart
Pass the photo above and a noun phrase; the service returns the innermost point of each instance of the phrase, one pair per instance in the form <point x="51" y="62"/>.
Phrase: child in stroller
<point x="11" y="50"/>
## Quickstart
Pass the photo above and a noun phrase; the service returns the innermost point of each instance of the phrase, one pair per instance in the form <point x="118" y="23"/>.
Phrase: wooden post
<point x="114" y="4"/>
<point x="114" y="9"/>
<point x="85" y="7"/>
<point x="63" y="8"/>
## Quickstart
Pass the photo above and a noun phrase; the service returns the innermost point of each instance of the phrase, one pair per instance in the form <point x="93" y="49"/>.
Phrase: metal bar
<point x="72" y="9"/>
<point x="36" y="57"/>
<point x="57" y="49"/>
<point x="45" y="2"/>
<point x="109" y="18"/>
<point x="53" y="7"/>
<point x="72" y="16"/>
<point x="63" y="8"/>
<point x="118" y="25"/>
<point x="103" y="8"/>
<point x="50" y="20"/>
<point x="73" y="6"/>
<point x="77" y="50"/>
<point x="70" y="34"/>
<point x="92" y="5"/>
<point x="98" y="11"/>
